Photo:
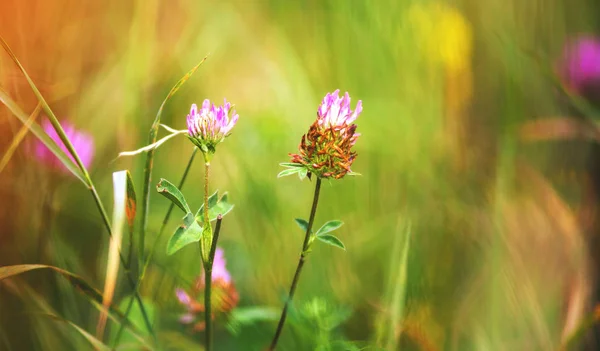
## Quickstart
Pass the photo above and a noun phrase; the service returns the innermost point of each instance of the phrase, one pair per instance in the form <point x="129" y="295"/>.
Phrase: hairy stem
<point x="301" y="261"/>
<point x="206" y="172"/>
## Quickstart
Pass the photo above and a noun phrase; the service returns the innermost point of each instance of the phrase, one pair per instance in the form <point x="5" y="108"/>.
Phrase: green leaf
<point x="170" y="191"/>
<point x="213" y="199"/>
<point x="331" y="240"/>
<point x="329" y="227"/>
<point x="302" y="174"/>
<point x="289" y="171"/>
<point x="303" y="224"/>
<point x="189" y="232"/>
<point x="222" y="208"/>
<point x="215" y="208"/>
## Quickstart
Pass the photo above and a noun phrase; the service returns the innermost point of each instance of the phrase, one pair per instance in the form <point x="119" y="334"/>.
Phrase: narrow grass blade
<point x="24" y="290"/>
<point x="389" y="321"/>
<point x="51" y="117"/>
<point x="129" y="341"/>
<point x="83" y="175"/>
<point x="150" y="159"/>
<point x="153" y="146"/>
<point x="75" y="280"/>
<point x="399" y="296"/>
<point x="97" y="344"/>
<point x="19" y="137"/>
<point x="42" y="136"/>
<point x="121" y="180"/>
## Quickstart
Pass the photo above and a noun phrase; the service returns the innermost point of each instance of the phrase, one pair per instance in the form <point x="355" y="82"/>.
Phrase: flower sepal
<point x="204" y="147"/>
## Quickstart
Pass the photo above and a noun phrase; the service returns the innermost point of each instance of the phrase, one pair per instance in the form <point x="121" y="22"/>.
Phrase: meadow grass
<point x="454" y="240"/>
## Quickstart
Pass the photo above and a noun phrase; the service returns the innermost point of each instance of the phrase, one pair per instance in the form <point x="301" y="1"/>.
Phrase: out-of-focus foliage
<point x="503" y="232"/>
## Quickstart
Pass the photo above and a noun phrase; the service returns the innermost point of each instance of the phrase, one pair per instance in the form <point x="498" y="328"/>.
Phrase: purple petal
<point x="186" y="318"/>
<point x="219" y="269"/>
<point x="357" y="111"/>
<point x="183" y="297"/>
<point x="206" y="105"/>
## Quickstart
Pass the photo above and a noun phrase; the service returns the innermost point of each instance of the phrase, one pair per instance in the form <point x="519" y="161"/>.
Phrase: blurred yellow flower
<point x="444" y="39"/>
<point x="443" y="34"/>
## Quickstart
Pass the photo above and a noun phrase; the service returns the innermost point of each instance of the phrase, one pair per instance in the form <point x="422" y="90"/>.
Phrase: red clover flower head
<point x="326" y="150"/>
<point x="210" y="125"/>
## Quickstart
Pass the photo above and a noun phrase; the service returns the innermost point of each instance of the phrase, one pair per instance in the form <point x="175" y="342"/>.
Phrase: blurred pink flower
<point x="579" y="66"/>
<point x="224" y="297"/>
<point x="82" y="142"/>
<point x="219" y="271"/>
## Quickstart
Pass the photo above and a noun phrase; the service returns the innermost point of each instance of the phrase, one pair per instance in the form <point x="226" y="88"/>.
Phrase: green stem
<point x="155" y="245"/>
<point x="301" y="261"/>
<point x="146" y="195"/>
<point x="208" y="286"/>
<point x="207" y="308"/>
<point x="207" y="266"/>
<point x="206" y="172"/>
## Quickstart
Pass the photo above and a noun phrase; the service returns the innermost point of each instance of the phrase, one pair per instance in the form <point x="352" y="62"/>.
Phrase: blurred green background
<point x="459" y="235"/>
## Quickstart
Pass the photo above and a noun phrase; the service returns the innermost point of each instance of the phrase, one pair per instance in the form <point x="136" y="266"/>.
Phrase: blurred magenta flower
<point x="219" y="271"/>
<point x="326" y="150"/>
<point x="82" y="142"/>
<point x="579" y="67"/>
<point x="224" y="294"/>
<point x="210" y="125"/>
